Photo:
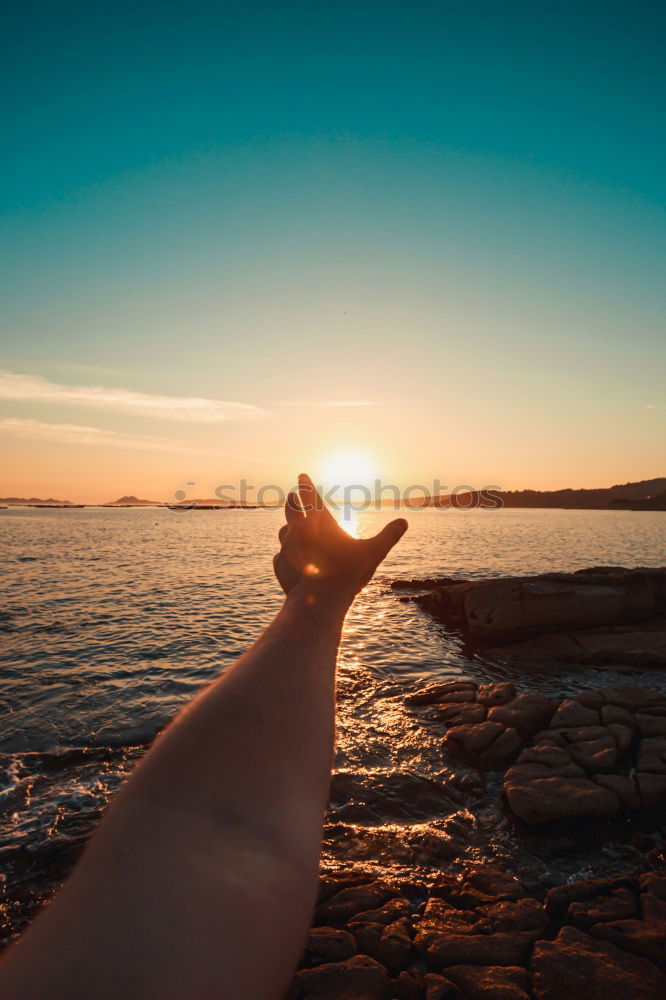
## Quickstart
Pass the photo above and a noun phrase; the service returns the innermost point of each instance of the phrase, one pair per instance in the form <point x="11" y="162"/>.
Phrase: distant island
<point x="649" y="494"/>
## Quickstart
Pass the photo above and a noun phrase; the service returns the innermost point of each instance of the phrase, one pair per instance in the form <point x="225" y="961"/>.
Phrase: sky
<point x="413" y="241"/>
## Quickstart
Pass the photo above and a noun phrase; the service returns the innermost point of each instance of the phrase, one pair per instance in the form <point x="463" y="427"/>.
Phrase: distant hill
<point x="649" y="494"/>
<point x="35" y="502"/>
<point x="131" y="502"/>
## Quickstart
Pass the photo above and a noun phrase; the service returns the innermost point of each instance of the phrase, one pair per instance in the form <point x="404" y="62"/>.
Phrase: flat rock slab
<point x="595" y="616"/>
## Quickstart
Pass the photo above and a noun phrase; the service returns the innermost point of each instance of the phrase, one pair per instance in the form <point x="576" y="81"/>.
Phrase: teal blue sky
<point x="452" y="213"/>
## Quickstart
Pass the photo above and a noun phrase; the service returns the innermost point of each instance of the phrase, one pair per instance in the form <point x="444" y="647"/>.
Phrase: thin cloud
<point x="335" y="403"/>
<point x="38" y="430"/>
<point x="191" y="409"/>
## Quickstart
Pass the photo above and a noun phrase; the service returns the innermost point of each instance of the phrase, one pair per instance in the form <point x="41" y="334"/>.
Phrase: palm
<point x="314" y="546"/>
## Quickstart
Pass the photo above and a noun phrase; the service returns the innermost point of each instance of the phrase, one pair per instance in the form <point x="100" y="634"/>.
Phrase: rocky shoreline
<point x="480" y="933"/>
<point x="571" y="770"/>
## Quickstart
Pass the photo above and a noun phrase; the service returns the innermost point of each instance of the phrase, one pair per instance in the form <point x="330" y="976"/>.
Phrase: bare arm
<point x="201" y="879"/>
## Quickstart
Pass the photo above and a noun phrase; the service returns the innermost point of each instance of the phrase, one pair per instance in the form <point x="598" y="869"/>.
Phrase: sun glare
<point x="348" y="468"/>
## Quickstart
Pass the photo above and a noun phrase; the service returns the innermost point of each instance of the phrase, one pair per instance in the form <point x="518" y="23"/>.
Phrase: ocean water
<point x="111" y="620"/>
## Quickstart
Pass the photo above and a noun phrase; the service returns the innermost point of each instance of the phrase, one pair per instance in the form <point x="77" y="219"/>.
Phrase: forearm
<point x="209" y="854"/>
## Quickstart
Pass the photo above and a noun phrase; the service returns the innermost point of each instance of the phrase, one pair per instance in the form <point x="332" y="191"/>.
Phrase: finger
<point x="389" y="536"/>
<point x="313" y="505"/>
<point x="282" y="533"/>
<point x="293" y="509"/>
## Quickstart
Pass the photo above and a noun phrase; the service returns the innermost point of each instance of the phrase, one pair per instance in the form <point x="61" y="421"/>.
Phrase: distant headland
<point x="648" y="494"/>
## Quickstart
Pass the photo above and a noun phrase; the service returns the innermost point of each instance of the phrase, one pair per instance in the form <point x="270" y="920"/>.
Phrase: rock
<point x="440" y="988"/>
<point x="561" y="897"/>
<point x="501" y="751"/>
<point x="624" y="787"/>
<point x="368" y="937"/>
<point x="395" y="946"/>
<point x="585" y="968"/>
<point x="508" y="916"/>
<point x="459" y="714"/>
<point x="653" y="884"/>
<point x="612" y="713"/>
<point x="451" y="691"/>
<point x="552" y="759"/>
<point x="472" y="740"/>
<point x="527" y="714"/>
<point x="545" y="799"/>
<point x="500" y="693"/>
<point x="646" y="940"/>
<point x="325" y="944"/>
<point x="358" y="978"/>
<point x="478" y="949"/>
<point x="392" y="910"/>
<point x="604" y="616"/>
<point x="542" y="800"/>
<point x="651" y="725"/>
<point x="490" y="982"/>
<point x="492" y="881"/>
<point x="405" y="987"/>
<point x="331" y="883"/>
<point x="651" y="787"/>
<point x="620" y="903"/>
<point x="652" y="755"/>
<point x="572" y="713"/>
<point x="350" y="901"/>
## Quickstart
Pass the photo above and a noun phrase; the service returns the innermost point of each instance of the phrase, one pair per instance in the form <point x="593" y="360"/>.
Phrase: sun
<point x="348" y="468"/>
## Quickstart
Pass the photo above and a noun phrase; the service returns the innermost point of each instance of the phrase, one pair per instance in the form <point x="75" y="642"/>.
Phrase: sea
<point x="112" y="619"/>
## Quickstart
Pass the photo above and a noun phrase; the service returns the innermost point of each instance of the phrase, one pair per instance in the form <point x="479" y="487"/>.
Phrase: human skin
<point x="201" y="879"/>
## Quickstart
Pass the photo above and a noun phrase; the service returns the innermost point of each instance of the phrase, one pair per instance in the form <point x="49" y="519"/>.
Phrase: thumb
<point x="389" y="536"/>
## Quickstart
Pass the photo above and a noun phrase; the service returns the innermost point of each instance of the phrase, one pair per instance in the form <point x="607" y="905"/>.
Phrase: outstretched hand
<point x="317" y="553"/>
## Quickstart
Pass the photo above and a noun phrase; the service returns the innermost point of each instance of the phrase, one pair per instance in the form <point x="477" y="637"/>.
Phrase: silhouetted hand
<point x="319" y="554"/>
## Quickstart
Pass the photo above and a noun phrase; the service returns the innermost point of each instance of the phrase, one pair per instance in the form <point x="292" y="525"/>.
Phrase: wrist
<point x="320" y="599"/>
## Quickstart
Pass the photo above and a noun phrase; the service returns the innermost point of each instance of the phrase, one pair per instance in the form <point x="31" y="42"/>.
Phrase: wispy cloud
<point x="192" y="409"/>
<point x="334" y="403"/>
<point x="38" y="430"/>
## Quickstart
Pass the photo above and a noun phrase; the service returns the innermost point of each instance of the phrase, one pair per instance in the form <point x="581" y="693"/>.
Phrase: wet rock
<point x="392" y="910"/>
<point x="536" y="799"/>
<point x="450" y="691"/>
<point x="500" y="693"/>
<point x="350" y="901"/>
<point x="586" y="968"/>
<point x="508" y="916"/>
<point x="460" y="714"/>
<point x="330" y="884"/>
<point x="527" y="714"/>
<point x="358" y="978"/>
<point x="490" y="982"/>
<point x="326" y="944"/>
<point x="478" y="949"/>
<point x="472" y="740"/>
